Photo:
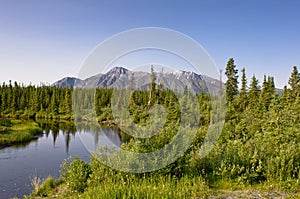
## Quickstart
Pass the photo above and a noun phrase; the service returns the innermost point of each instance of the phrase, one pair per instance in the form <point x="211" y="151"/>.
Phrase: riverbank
<point x="160" y="186"/>
<point x="17" y="131"/>
<point x="27" y="115"/>
<point x="107" y="119"/>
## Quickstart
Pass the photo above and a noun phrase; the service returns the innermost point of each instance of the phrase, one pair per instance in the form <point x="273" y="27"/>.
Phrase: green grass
<point x="134" y="187"/>
<point x="152" y="187"/>
<point x="104" y="182"/>
<point x="161" y="186"/>
<point x="18" y="132"/>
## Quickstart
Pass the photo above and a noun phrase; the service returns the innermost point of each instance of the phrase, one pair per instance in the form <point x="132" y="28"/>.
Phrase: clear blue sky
<point x="43" y="41"/>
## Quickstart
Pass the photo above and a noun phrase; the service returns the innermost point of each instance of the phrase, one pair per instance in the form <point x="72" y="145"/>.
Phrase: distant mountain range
<point x="119" y="77"/>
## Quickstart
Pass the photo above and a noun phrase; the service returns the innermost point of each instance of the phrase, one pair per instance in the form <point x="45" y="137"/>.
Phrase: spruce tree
<point x="243" y="102"/>
<point x="268" y="91"/>
<point x="271" y="86"/>
<point x="232" y="80"/>
<point x="285" y="98"/>
<point x="254" y="90"/>
<point x="294" y="82"/>
<point x="244" y="83"/>
<point x="265" y="95"/>
<point x="152" y="87"/>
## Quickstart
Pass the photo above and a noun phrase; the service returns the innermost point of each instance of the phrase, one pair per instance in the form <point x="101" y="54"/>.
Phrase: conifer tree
<point x="243" y="102"/>
<point x="54" y="102"/>
<point x="294" y="82"/>
<point x="254" y="90"/>
<point x="271" y="85"/>
<point x="152" y="87"/>
<point x="244" y="83"/>
<point x="232" y="80"/>
<point x="265" y="95"/>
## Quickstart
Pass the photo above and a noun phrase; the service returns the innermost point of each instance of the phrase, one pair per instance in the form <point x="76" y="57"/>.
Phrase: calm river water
<point x="42" y="157"/>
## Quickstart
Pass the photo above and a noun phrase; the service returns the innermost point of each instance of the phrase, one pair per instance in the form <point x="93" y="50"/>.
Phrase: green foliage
<point x="75" y="174"/>
<point x="17" y="131"/>
<point x="294" y="80"/>
<point x="232" y="80"/>
<point x="5" y="122"/>
<point x="21" y="101"/>
<point x="259" y="144"/>
<point x="131" y="186"/>
<point x="244" y="82"/>
<point x="267" y="92"/>
<point x="46" y="186"/>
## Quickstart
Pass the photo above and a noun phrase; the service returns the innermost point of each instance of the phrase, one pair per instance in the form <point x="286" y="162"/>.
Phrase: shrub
<point x="46" y="187"/>
<point x="75" y="174"/>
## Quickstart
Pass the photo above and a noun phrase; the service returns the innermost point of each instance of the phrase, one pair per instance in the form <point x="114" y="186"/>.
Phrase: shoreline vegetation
<point x="17" y="132"/>
<point x="257" y="153"/>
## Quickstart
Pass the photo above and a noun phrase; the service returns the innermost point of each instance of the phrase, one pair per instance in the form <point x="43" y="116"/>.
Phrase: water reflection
<point x="105" y="136"/>
<point x="94" y="135"/>
<point x="42" y="157"/>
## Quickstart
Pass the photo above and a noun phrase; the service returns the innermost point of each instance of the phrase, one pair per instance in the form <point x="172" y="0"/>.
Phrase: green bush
<point x="46" y="187"/>
<point x="75" y="174"/>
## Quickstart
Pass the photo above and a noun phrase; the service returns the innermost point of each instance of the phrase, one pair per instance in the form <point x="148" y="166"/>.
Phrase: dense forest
<point x="35" y="101"/>
<point x="259" y="144"/>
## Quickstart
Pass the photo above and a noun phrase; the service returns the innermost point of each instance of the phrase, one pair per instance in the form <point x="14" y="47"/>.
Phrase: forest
<point x="258" y="148"/>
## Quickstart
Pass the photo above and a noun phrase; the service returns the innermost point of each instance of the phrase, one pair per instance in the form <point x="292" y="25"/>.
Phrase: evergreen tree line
<point x="31" y="101"/>
<point x="54" y="102"/>
<point x="255" y="94"/>
<point x="260" y="100"/>
<point x="260" y="137"/>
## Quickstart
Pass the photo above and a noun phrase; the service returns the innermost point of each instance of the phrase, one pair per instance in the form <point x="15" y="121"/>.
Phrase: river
<point x="42" y="157"/>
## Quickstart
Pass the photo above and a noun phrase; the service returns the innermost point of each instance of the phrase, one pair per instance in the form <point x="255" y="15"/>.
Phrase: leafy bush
<point x="75" y="174"/>
<point x="46" y="186"/>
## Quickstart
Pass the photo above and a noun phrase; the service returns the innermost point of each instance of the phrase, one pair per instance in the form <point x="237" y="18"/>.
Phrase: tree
<point x="4" y="98"/>
<point x="253" y="90"/>
<point x="152" y="87"/>
<point x="244" y="83"/>
<point x="243" y="102"/>
<point x="266" y="92"/>
<point x="67" y="101"/>
<point x="294" y="82"/>
<point x="232" y="80"/>
<point x="54" y="102"/>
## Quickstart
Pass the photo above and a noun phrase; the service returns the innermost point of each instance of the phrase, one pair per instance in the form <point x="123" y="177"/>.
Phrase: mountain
<point x="66" y="82"/>
<point x="119" y="77"/>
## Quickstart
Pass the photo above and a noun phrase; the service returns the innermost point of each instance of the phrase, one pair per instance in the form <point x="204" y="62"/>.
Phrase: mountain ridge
<point x="119" y="77"/>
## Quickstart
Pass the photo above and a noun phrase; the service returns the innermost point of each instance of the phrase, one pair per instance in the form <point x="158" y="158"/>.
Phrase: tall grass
<point x="41" y="188"/>
<point x="18" y="132"/>
<point x="149" y="187"/>
<point x="36" y="183"/>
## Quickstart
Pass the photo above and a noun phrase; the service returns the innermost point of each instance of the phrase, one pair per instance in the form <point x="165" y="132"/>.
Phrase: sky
<point x="43" y="41"/>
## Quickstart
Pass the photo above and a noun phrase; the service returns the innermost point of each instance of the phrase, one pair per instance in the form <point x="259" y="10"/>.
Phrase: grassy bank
<point x="94" y="180"/>
<point x="27" y="115"/>
<point x="265" y="165"/>
<point x="17" y="131"/>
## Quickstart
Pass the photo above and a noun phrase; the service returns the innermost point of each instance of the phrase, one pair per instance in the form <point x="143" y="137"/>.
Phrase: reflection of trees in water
<point x="111" y="132"/>
<point x="66" y="127"/>
<point x="68" y="130"/>
<point x="55" y="131"/>
<point x="68" y="139"/>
